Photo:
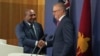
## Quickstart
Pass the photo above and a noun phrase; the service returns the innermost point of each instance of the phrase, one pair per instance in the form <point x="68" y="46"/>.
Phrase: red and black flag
<point x="84" y="47"/>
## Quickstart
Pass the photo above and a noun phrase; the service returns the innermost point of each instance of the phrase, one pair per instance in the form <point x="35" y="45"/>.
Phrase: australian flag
<point x="67" y="4"/>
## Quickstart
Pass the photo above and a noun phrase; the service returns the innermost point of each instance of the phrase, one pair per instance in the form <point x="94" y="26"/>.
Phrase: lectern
<point x="23" y="54"/>
<point x="6" y="49"/>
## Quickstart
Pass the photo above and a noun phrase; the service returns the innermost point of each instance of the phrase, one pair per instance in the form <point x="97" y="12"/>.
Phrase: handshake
<point x="41" y="43"/>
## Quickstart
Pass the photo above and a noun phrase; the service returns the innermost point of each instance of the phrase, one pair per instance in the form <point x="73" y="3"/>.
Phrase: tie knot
<point x="31" y="25"/>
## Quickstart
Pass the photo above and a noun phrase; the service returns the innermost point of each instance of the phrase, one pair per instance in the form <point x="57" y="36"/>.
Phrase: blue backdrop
<point x="49" y="24"/>
<point x="75" y="12"/>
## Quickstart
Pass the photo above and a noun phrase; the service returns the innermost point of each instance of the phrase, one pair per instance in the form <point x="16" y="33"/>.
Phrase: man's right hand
<point x="41" y="43"/>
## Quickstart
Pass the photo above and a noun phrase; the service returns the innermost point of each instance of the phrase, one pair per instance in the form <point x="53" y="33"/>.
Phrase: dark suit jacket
<point x="63" y="42"/>
<point x="25" y="37"/>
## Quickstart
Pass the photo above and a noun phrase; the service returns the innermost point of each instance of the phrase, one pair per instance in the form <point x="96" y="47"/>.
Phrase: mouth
<point x="32" y="15"/>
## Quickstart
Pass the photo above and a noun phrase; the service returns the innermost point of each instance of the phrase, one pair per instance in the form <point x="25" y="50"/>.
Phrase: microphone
<point x="45" y="35"/>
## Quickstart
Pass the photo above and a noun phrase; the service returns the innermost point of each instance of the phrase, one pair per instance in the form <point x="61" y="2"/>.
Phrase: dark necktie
<point x="33" y="30"/>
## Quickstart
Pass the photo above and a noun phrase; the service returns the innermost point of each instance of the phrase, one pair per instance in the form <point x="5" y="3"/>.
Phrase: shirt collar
<point x="28" y="23"/>
<point x="61" y="17"/>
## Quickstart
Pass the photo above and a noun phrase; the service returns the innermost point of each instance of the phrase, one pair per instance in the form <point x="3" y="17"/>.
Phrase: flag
<point x="84" y="33"/>
<point x="67" y="4"/>
<point x="96" y="29"/>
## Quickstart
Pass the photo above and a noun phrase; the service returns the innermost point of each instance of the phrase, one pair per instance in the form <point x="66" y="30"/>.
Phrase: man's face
<point x="30" y="16"/>
<point x="57" y="12"/>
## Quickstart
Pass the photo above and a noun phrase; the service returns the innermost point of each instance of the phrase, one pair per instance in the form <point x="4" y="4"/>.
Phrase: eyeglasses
<point x="56" y="10"/>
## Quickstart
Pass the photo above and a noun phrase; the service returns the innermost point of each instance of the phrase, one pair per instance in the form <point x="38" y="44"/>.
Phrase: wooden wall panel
<point x="41" y="11"/>
<point x="12" y="12"/>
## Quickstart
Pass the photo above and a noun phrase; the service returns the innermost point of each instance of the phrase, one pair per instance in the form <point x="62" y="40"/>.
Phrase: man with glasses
<point x="29" y="32"/>
<point x="63" y="39"/>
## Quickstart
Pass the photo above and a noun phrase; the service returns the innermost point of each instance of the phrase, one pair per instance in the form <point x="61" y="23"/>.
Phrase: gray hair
<point x="61" y="5"/>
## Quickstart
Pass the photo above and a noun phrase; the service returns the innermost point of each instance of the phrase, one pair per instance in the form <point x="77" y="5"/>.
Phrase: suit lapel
<point x="35" y="29"/>
<point x="59" y="26"/>
<point x="29" y="31"/>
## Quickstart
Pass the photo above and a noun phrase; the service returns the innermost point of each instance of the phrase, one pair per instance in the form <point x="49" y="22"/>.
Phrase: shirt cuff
<point x="36" y="43"/>
<point x="46" y="43"/>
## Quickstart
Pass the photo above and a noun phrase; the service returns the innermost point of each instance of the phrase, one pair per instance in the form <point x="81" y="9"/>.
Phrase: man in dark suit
<point x="63" y="42"/>
<point x="29" y="32"/>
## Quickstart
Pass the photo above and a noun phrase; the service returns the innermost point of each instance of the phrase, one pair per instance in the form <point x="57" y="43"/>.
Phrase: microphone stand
<point x="33" y="51"/>
<point x="38" y="51"/>
<point x="40" y="48"/>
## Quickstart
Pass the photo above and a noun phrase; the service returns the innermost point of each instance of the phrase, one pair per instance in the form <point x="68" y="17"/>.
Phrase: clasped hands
<point x="41" y="44"/>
